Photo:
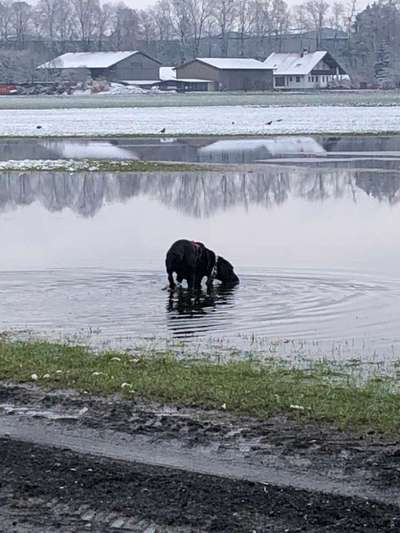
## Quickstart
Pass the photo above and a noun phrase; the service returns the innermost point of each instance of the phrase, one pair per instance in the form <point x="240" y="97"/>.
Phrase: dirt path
<point x="73" y="463"/>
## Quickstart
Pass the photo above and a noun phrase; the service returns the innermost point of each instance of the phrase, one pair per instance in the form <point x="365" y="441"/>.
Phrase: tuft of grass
<point x="316" y="394"/>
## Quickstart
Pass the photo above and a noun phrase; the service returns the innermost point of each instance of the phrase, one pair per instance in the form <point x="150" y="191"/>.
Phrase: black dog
<point x="193" y="261"/>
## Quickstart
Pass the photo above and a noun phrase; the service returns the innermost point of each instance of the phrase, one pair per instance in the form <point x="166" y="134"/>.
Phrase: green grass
<point x="321" y="393"/>
<point x="272" y="98"/>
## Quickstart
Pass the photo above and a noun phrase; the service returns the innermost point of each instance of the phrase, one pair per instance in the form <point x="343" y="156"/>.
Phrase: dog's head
<point x="225" y="272"/>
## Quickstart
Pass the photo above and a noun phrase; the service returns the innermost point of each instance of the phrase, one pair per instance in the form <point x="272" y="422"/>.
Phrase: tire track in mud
<point x="275" y="451"/>
<point x="44" y="490"/>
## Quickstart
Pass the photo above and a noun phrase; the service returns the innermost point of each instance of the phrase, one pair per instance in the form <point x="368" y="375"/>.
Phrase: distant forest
<point x="366" y="43"/>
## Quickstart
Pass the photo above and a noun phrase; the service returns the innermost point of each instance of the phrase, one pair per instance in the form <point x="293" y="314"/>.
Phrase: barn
<point x="228" y="74"/>
<point x="111" y="66"/>
<point x="308" y="70"/>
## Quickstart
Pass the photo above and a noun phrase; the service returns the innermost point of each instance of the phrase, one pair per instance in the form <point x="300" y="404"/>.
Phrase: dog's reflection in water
<point x="185" y="304"/>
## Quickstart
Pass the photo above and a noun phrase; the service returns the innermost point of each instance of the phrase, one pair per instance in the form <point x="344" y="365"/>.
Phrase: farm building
<point x="228" y="74"/>
<point x="111" y="66"/>
<point x="308" y="70"/>
<point x="168" y="81"/>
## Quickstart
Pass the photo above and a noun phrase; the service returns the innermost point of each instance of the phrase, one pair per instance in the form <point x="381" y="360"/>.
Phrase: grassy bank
<point x="273" y="98"/>
<point x="318" y="394"/>
<point x="87" y="165"/>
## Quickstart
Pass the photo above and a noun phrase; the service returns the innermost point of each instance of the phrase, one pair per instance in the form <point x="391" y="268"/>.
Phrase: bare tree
<point x="124" y="26"/>
<point x="262" y="23"/>
<point x="161" y="14"/>
<point x="86" y="12"/>
<point x="245" y="18"/>
<point x="180" y="17"/>
<point x="224" y="12"/>
<point x="199" y="13"/>
<point x="5" y="19"/>
<point x="316" y="14"/>
<point x="147" y="26"/>
<point x="280" y="20"/>
<point x="21" y="16"/>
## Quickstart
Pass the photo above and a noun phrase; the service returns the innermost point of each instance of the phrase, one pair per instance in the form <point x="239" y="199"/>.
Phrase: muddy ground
<point x="273" y="475"/>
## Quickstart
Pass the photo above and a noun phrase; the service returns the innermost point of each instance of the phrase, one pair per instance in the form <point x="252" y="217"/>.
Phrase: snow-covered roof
<point x="294" y="64"/>
<point x="167" y="73"/>
<point x="87" y="60"/>
<point x="194" y="80"/>
<point x="233" y="63"/>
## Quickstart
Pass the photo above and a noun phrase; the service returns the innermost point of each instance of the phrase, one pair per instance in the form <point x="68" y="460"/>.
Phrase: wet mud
<point x="50" y="483"/>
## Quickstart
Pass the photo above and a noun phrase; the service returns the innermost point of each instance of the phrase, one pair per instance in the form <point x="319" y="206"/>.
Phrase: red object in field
<point x="6" y="88"/>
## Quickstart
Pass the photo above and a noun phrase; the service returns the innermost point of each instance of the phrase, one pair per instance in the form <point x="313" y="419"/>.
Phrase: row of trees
<point x="177" y="30"/>
<point x="117" y="26"/>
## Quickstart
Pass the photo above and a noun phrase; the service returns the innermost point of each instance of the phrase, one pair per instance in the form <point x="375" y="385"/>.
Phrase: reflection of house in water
<point x="88" y="150"/>
<point x="169" y="149"/>
<point x="250" y="150"/>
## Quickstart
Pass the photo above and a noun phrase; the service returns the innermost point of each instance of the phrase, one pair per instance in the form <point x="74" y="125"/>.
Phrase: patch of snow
<point x="45" y="164"/>
<point x="119" y="88"/>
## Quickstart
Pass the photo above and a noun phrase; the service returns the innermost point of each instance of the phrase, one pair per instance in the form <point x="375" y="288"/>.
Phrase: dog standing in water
<point x="192" y="261"/>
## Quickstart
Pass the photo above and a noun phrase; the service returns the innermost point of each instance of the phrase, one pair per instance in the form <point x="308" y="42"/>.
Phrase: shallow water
<point x="317" y="252"/>
<point x="325" y="150"/>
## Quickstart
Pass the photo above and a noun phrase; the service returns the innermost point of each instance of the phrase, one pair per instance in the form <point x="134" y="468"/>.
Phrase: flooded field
<point x="316" y="248"/>
<point x="326" y="150"/>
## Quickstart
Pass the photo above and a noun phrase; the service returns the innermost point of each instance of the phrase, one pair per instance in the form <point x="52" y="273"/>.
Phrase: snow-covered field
<point x="199" y="120"/>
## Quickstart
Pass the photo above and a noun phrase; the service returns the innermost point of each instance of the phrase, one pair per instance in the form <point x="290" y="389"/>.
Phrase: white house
<point x="308" y="70"/>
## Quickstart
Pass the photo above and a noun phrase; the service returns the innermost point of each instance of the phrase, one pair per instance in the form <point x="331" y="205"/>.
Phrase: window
<point x="297" y="79"/>
<point x="309" y="78"/>
<point x="280" y="81"/>
<point x="290" y="78"/>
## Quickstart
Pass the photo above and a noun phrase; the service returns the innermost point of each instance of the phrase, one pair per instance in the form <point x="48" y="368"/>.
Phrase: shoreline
<point x="323" y="393"/>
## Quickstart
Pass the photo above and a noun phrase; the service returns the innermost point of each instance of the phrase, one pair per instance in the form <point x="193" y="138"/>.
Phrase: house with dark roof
<point x="112" y="66"/>
<point x="307" y="70"/>
<point x="228" y="74"/>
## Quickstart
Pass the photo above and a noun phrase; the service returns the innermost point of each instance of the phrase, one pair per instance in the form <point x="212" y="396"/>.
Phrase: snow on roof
<point x="292" y="64"/>
<point x="194" y="80"/>
<point x="167" y="73"/>
<point x="87" y="59"/>
<point x="233" y="63"/>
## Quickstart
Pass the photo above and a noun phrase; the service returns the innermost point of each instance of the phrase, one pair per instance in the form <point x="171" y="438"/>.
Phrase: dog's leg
<point x="197" y="283"/>
<point x="191" y="281"/>
<point x="171" y="281"/>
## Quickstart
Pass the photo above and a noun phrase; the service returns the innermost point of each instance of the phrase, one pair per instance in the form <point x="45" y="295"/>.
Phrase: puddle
<point x="317" y="253"/>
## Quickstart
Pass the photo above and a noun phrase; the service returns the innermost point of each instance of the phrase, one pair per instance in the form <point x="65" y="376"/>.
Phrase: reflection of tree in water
<point x="196" y="195"/>
<point x="386" y="187"/>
